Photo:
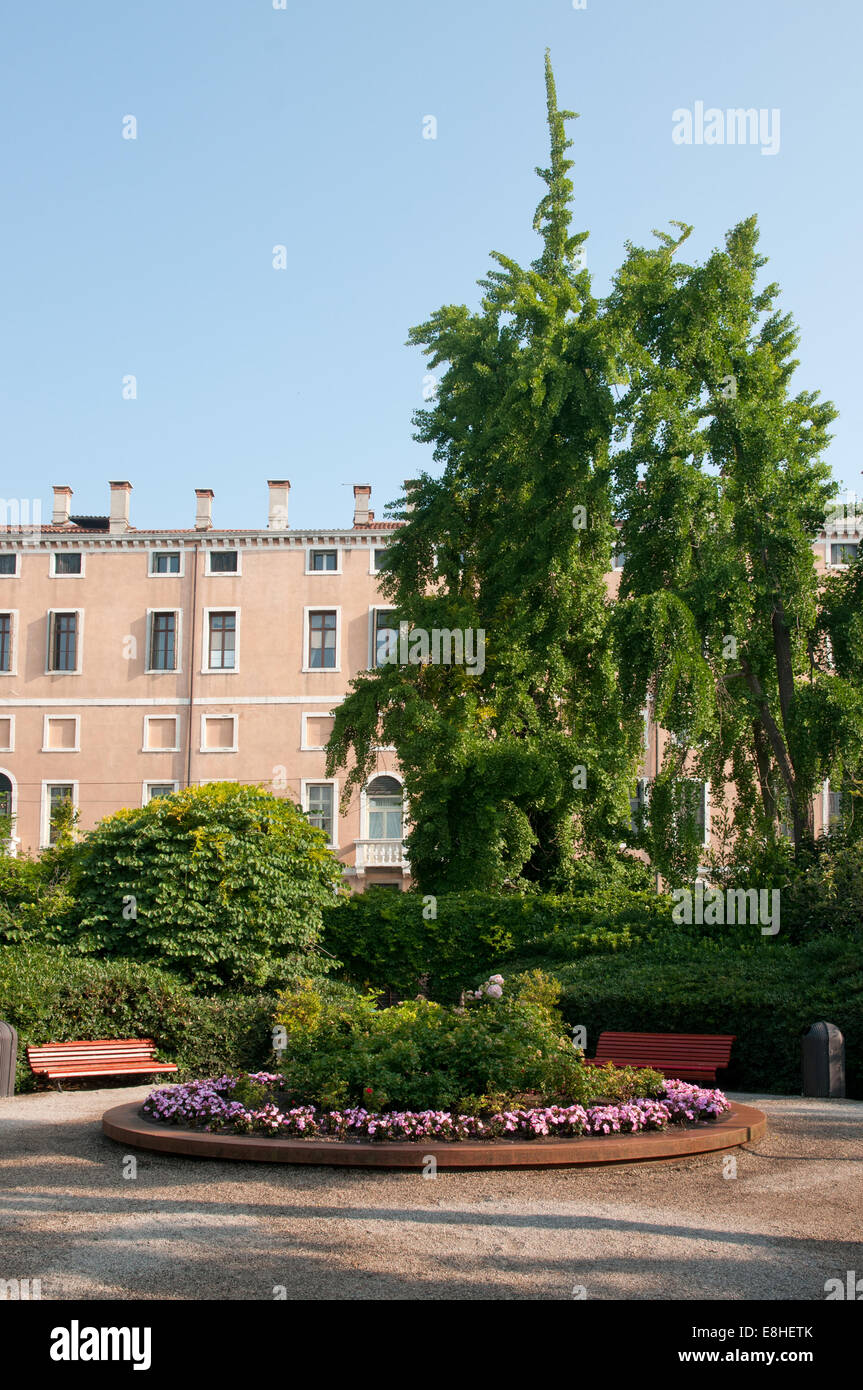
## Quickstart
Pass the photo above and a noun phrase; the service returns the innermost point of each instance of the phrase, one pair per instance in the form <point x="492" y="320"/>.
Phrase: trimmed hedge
<point x="51" y="995"/>
<point x="391" y="941"/>
<point x="767" y="994"/>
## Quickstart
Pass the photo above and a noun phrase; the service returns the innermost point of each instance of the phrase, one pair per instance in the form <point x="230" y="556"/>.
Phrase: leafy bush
<point x="766" y="993"/>
<point x="53" y="995"/>
<point x="398" y="940"/>
<point x="218" y="882"/>
<point x="422" y="1055"/>
<point x="34" y="894"/>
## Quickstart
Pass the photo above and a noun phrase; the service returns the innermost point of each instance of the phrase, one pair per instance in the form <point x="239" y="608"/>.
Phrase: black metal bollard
<point x="8" y="1059"/>
<point x="823" y="1061"/>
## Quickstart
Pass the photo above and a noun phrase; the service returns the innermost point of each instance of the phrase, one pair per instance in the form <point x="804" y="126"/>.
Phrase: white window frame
<point x="374" y="609"/>
<point x="166" y="550"/>
<point x="373" y="569"/>
<point x="310" y="550"/>
<point x="234" y="748"/>
<point x="46" y="720"/>
<point x="79" y="645"/>
<point x="156" y="782"/>
<point x="175" y="747"/>
<point x="13" y="640"/>
<point x="832" y="564"/>
<point x="206" y="668"/>
<point x="14" y="840"/>
<point x="63" y="550"/>
<point x="321" y="608"/>
<point x="11" y="748"/>
<point x="16" y="556"/>
<point x="305" y="746"/>
<point x="178" y="639"/>
<point x="45" y="810"/>
<point x="220" y="550"/>
<point x="364" y="806"/>
<point x="305" y="783"/>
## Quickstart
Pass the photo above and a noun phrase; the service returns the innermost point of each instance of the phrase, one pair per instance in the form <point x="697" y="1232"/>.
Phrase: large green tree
<point x="721" y="488"/>
<point x="509" y="767"/>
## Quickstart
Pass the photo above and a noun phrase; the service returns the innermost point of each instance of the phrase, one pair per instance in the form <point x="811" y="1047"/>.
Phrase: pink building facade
<point x="134" y="663"/>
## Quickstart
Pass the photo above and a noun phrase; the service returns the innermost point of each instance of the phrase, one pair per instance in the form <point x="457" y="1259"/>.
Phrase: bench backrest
<point x="106" y="1050"/>
<point x="665" y="1050"/>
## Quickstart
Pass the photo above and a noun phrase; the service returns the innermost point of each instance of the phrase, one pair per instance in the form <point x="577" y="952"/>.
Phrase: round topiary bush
<point x="219" y="883"/>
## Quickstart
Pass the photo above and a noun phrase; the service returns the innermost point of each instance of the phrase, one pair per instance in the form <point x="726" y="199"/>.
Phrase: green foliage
<point x="391" y="940"/>
<point x="35" y="899"/>
<point x="522" y="424"/>
<point x="422" y="1055"/>
<point x="764" y="992"/>
<point x="54" y="995"/>
<point x="220" y="882"/>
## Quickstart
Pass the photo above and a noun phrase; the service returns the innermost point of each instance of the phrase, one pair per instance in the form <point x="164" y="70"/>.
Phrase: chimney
<point x="362" y="497"/>
<point x="204" y="513"/>
<point x="62" y="506"/>
<point x="409" y="485"/>
<point x="278" y="514"/>
<point x="119" y="520"/>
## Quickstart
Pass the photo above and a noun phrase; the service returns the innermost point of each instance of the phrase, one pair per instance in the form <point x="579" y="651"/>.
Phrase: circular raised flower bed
<point x="201" y="1119"/>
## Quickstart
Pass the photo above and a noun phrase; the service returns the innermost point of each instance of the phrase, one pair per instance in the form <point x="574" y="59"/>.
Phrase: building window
<point x="223" y="562"/>
<point x="68" y="562"/>
<point x="693" y="803"/>
<point x="5" y="641"/>
<point x="163" y="642"/>
<point x="319" y="806"/>
<point x="9" y="564"/>
<point x="385" y="640"/>
<point x="154" y="789"/>
<point x="63" y="643"/>
<point x="161" y="733"/>
<point x="60" y="796"/>
<point x="618" y="559"/>
<point x="638" y="805"/>
<point x="165" y="562"/>
<point x="321" y="560"/>
<point x="385" y="809"/>
<point x="7" y="733"/>
<point x="315" y="731"/>
<point x="218" y="733"/>
<point x="322" y="640"/>
<point x="843" y="552"/>
<point x="5" y="795"/>
<point x="60" y="733"/>
<point x="379" y="555"/>
<point x="222" y="642"/>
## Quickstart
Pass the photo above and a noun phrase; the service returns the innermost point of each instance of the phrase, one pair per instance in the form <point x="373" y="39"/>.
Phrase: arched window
<point x="385" y="809"/>
<point x="5" y="795"/>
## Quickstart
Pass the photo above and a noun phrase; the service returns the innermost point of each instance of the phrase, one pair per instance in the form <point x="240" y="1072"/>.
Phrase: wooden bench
<point x="105" y="1057"/>
<point x="681" y="1056"/>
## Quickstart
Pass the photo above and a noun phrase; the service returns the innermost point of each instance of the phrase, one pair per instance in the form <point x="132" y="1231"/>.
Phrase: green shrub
<point x="397" y="941"/>
<point x="53" y="995"/>
<point x="217" y="882"/>
<point x="767" y="993"/>
<point x="422" y="1055"/>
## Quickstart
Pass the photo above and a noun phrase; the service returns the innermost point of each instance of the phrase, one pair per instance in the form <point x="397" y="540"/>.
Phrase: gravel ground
<point x="184" y="1229"/>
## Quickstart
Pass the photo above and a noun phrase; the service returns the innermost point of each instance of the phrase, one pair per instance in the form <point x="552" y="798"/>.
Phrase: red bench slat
<point x="102" y="1057"/>
<point x="689" y="1056"/>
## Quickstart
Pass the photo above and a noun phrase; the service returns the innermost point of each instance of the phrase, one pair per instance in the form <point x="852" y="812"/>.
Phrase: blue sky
<point x="304" y="127"/>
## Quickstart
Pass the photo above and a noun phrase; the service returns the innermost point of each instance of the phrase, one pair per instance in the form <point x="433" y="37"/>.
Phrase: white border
<point x="16" y="556"/>
<point x="375" y="608"/>
<point x="11" y="718"/>
<point x="373" y="569"/>
<point x="176" y="745"/>
<point x="364" y="808"/>
<point x="206" y="668"/>
<point x="178" y="641"/>
<point x="305" y="746"/>
<point x="166" y="550"/>
<point x="79" y="643"/>
<point x="156" y="782"/>
<point x="45" y="813"/>
<point x="233" y="748"/>
<point x="221" y="550"/>
<point x="305" y="783"/>
<point x="46" y="720"/>
<point x="321" y="608"/>
<point x="14" y="840"/>
<point x="67" y="550"/>
<point x="13" y="640"/>
<point x="311" y="549"/>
